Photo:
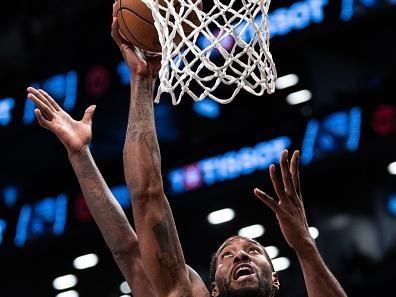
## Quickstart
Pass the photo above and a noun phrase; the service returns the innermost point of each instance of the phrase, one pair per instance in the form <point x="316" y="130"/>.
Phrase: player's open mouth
<point x="242" y="271"/>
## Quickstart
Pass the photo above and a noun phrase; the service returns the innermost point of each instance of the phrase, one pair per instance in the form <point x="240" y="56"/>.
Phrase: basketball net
<point x="227" y="45"/>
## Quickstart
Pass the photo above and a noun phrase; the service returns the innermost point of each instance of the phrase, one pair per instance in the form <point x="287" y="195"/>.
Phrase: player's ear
<point x="275" y="281"/>
<point x="214" y="290"/>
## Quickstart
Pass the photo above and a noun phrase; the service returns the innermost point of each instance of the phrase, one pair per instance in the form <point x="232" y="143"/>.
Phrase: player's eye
<point x="226" y="255"/>
<point x="253" y="250"/>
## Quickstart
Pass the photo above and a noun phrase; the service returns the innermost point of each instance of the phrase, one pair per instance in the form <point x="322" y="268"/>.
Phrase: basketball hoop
<point x="228" y="45"/>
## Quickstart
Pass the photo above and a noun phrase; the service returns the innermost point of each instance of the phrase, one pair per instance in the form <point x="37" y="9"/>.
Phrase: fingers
<point x="54" y="104"/>
<point x="89" y="112"/>
<point x="114" y="32"/>
<point x="41" y="120"/>
<point x="268" y="200"/>
<point x="45" y="110"/>
<point x="286" y="177"/>
<point x="41" y="97"/>
<point x="294" y="170"/>
<point x="279" y="190"/>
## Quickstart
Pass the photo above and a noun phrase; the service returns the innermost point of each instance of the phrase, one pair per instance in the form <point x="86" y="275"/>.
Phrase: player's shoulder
<point x="198" y="287"/>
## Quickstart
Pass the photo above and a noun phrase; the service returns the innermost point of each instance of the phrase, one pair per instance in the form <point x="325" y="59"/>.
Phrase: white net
<point x="227" y="43"/>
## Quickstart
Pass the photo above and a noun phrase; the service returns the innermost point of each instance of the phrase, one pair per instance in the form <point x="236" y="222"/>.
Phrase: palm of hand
<point x="293" y="224"/>
<point x="75" y="135"/>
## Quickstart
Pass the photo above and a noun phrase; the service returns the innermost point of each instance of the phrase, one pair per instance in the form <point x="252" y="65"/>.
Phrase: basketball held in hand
<point x="136" y="24"/>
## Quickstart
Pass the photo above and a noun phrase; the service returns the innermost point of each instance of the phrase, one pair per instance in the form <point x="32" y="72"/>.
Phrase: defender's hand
<point x="289" y="207"/>
<point x="75" y="135"/>
<point x="139" y="62"/>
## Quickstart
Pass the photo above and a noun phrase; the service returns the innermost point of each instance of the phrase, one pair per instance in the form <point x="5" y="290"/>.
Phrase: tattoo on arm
<point x="97" y="196"/>
<point x="168" y="255"/>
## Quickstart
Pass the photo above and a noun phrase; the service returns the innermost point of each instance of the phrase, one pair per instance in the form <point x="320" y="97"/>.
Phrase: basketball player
<point x="241" y="267"/>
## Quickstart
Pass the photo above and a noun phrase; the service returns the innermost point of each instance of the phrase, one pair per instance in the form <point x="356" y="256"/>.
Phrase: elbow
<point x="146" y="192"/>
<point x="128" y="248"/>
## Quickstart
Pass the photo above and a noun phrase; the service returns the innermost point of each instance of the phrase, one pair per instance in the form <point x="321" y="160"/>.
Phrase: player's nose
<point x="241" y="256"/>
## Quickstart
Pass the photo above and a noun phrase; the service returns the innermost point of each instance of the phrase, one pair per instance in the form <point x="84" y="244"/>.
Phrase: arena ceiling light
<point x="272" y="251"/>
<point x="64" y="282"/>
<point x="286" y="81"/>
<point x="314" y="232"/>
<point x="281" y="263"/>
<point x="392" y="168"/>
<point x="124" y="288"/>
<point x="252" y="231"/>
<point x="70" y="293"/>
<point x="85" y="261"/>
<point x="299" y="97"/>
<point x="221" y="216"/>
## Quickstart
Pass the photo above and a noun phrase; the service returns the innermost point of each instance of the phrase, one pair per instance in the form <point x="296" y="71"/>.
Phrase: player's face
<point x="243" y="270"/>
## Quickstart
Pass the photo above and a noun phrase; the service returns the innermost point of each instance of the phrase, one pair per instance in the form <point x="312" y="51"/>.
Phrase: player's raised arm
<point x="106" y="211"/>
<point x="160" y="247"/>
<point x="290" y="212"/>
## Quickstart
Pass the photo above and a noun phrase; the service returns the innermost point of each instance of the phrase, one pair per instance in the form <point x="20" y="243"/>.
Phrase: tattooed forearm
<point x="104" y="208"/>
<point x="141" y="120"/>
<point x="82" y="166"/>
<point x="101" y="205"/>
<point x="142" y="156"/>
<point x="166" y="236"/>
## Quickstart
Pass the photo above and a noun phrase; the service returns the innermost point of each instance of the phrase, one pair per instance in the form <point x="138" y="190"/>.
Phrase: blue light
<point x="392" y="204"/>
<point x="60" y="214"/>
<point x="55" y="85"/>
<point x="369" y="3"/>
<point x="308" y="144"/>
<point x="52" y="211"/>
<point x="244" y="30"/>
<point x="10" y="196"/>
<point x="302" y="15"/>
<point x="347" y="10"/>
<point x="22" y="225"/>
<point x="203" y="42"/>
<point x="124" y="73"/>
<point x="37" y="226"/>
<point x="337" y="124"/>
<point x="63" y="87"/>
<point x="281" y="21"/>
<point x="297" y="17"/>
<point x="3" y="226"/>
<point x="176" y="180"/>
<point x="70" y="90"/>
<point x="6" y="106"/>
<point x="45" y="209"/>
<point x="28" y="114"/>
<point x="207" y="108"/>
<point x="317" y="10"/>
<point x="355" y="119"/>
<point x="227" y="166"/>
<point x="121" y="193"/>
<point x="326" y="143"/>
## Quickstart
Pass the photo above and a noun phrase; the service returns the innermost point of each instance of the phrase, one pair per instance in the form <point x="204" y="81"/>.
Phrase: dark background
<point x="344" y="64"/>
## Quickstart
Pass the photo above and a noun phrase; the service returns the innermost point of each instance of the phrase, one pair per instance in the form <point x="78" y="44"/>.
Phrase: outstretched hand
<point x="139" y="62"/>
<point x="75" y="135"/>
<point x="289" y="207"/>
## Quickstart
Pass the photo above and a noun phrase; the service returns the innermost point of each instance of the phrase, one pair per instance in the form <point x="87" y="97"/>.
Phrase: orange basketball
<point x="136" y="24"/>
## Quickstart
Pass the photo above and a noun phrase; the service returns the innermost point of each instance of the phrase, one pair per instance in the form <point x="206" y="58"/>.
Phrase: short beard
<point x="264" y="289"/>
